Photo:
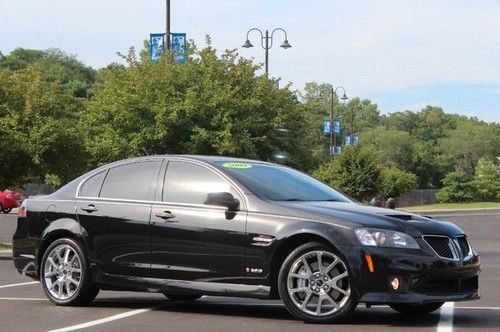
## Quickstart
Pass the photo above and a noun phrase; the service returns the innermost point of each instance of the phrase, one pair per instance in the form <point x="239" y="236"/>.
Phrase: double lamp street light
<point x="266" y="41"/>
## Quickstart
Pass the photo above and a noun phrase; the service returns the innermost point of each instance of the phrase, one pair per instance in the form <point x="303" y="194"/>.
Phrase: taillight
<point x="23" y="209"/>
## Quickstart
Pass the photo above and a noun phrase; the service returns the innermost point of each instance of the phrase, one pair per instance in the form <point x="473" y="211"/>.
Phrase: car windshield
<point x="279" y="183"/>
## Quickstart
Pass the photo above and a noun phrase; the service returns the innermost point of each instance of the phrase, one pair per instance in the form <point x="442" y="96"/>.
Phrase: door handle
<point x="165" y="215"/>
<point x="89" y="208"/>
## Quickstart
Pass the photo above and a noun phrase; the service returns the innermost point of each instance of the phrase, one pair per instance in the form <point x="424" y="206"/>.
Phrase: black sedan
<point x="189" y="226"/>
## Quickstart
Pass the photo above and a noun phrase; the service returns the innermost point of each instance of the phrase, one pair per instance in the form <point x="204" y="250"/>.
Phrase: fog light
<point x="395" y="283"/>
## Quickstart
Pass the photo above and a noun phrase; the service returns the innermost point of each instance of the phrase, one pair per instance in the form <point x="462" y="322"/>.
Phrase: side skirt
<point x="142" y="284"/>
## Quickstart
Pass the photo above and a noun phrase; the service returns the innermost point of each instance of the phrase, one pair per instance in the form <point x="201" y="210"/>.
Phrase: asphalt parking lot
<point x="25" y="308"/>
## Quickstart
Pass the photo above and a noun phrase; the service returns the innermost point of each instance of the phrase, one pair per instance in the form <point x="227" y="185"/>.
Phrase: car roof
<point x="207" y="159"/>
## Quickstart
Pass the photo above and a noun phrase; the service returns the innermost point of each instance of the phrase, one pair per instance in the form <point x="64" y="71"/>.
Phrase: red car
<point x="10" y="199"/>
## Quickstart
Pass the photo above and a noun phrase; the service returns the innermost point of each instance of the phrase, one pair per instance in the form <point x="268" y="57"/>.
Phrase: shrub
<point x="396" y="182"/>
<point x="356" y="172"/>
<point x="458" y="187"/>
<point x="487" y="180"/>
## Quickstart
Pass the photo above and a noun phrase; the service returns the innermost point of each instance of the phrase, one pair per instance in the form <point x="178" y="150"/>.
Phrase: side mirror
<point x="223" y="199"/>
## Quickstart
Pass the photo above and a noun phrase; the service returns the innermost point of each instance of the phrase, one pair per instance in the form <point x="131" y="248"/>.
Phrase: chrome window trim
<point x="132" y="201"/>
<point x="451" y="245"/>
<point x="160" y="202"/>
<point x="108" y="167"/>
<point x="211" y="168"/>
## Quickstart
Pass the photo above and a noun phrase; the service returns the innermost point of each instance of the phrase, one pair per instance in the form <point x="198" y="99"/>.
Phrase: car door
<point x="115" y="216"/>
<point x="191" y="240"/>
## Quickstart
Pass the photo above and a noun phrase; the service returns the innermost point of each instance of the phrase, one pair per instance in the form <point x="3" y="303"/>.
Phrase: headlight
<point x="385" y="238"/>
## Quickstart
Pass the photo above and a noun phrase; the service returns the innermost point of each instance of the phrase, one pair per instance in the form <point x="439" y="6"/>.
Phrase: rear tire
<point x="315" y="285"/>
<point x="5" y="210"/>
<point x="65" y="274"/>
<point x="183" y="297"/>
<point x="416" y="309"/>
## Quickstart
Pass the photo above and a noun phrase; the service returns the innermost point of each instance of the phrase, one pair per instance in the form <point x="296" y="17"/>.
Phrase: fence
<point x="417" y="197"/>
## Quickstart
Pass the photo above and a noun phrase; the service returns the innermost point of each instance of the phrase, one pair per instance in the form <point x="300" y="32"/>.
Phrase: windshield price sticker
<point x="237" y="165"/>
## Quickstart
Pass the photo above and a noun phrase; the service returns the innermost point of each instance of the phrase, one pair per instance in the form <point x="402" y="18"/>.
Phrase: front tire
<point x="65" y="274"/>
<point x="416" y="309"/>
<point x="314" y="283"/>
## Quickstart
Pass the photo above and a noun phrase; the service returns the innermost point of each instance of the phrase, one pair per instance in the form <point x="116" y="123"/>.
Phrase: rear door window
<point x="132" y="181"/>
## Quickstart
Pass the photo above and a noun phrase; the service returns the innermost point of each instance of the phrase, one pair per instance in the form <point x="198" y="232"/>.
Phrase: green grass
<point x="453" y="206"/>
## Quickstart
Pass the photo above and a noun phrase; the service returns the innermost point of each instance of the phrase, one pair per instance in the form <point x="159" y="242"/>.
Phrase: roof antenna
<point x="145" y="151"/>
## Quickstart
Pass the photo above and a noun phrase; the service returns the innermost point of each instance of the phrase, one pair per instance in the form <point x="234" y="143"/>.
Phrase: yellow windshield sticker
<point x="237" y="165"/>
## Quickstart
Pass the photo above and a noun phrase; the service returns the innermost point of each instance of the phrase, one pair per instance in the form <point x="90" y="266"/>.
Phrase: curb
<point x="6" y="255"/>
<point x="452" y="210"/>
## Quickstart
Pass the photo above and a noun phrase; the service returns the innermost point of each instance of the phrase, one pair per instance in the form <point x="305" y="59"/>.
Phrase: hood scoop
<point x="404" y="217"/>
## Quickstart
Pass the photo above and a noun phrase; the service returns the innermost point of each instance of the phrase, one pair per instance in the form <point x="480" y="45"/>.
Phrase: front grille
<point x="464" y="245"/>
<point x="441" y="245"/>
<point x="439" y="286"/>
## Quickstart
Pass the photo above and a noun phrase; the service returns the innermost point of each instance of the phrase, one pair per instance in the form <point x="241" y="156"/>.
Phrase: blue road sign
<point x="179" y="47"/>
<point x="156" y="46"/>
<point x="347" y="140"/>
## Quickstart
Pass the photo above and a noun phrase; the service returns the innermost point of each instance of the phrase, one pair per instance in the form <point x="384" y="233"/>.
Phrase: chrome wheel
<point x="318" y="283"/>
<point x="62" y="272"/>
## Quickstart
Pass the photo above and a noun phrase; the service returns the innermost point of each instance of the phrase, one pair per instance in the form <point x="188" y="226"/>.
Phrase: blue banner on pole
<point x="179" y="47"/>
<point x="156" y="46"/>
<point x="335" y="150"/>
<point x="336" y="127"/>
<point x="326" y="127"/>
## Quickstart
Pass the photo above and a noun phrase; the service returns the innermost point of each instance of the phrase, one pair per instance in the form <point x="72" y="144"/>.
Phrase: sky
<point x="400" y="54"/>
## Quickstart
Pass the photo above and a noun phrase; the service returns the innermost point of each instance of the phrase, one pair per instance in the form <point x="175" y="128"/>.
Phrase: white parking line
<point x="446" y="320"/>
<point x="104" y="320"/>
<point x="22" y="299"/>
<point x="479" y="308"/>
<point x="21" y="284"/>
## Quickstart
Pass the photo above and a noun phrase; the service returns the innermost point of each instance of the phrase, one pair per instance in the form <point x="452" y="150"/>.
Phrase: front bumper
<point x="423" y="277"/>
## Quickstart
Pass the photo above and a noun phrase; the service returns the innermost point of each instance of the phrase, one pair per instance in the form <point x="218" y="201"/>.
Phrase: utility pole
<point x="167" y="30"/>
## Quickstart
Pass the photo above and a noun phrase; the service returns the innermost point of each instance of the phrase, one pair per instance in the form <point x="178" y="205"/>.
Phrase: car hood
<point x="357" y="215"/>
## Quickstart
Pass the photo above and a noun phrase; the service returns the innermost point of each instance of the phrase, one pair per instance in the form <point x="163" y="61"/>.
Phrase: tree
<point x="457" y="188"/>
<point x="487" y="180"/>
<point x="396" y="182"/>
<point x="39" y="127"/>
<point x="393" y="147"/>
<point x="210" y="105"/>
<point x="356" y="172"/>
<point x="469" y="142"/>
<point x="55" y="66"/>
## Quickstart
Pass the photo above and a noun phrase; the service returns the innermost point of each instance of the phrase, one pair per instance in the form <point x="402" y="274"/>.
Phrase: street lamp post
<point x="167" y="24"/>
<point x="266" y="41"/>
<point x="333" y="137"/>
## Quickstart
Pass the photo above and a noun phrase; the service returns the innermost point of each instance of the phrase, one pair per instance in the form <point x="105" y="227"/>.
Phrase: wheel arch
<point x="58" y="229"/>
<point x="285" y="247"/>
